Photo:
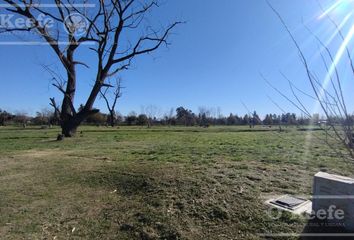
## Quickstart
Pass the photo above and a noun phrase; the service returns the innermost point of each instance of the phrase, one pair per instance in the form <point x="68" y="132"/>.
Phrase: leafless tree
<point x="117" y="93"/>
<point x="107" y="29"/>
<point x="169" y="116"/>
<point x="219" y="112"/>
<point x="330" y="97"/>
<point x="151" y="111"/>
<point x="208" y="112"/>
<point x="22" y="118"/>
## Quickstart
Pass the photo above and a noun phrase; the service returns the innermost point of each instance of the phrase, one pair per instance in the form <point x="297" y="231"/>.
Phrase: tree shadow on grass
<point x="139" y="209"/>
<point x="25" y="137"/>
<point x="125" y="183"/>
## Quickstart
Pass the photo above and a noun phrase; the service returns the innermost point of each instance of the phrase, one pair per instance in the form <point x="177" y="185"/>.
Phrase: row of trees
<point x="180" y="116"/>
<point x="44" y="117"/>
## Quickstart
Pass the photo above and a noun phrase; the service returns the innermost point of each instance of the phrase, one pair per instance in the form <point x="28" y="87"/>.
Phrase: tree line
<point x="179" y="117"/>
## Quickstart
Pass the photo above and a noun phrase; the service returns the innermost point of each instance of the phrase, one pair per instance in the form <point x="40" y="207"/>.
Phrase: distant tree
<point x="169" y="117"/>
<point x="21" y="118"/>
<point x="44" y="117"/>
<point x="142" y="120"/>
<point x="256" y="120"/>
<point x="231" y="120"/>
<point x="221" y="120"/>
<point x="288" y="119"/>
<point x="151" y="111"/>
<point x="119" y="117"/>
<point x="219" y="113"/>
<point x="203" y="120"/>
<point x="303" y="121"/>
<point x="268" y="120"/>
<point x="185" y="117"/>
<point x="204" y="116"/>
<point x="117" y="93"/>
<point x="98" y="119"/>
<point x="276" y="119"/>
<point x="247" y="120"/>
<point x="131" y="119"/>
<point x="4" y="117"/>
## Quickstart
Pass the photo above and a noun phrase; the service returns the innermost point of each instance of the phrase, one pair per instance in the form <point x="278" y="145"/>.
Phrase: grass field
<point x="158" y="183"/>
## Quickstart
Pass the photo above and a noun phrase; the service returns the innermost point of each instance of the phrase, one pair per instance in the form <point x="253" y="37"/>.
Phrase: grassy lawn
<point x="159" y="183"/>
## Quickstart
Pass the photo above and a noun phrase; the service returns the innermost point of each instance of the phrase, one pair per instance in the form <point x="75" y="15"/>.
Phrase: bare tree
<point x="169" y="116"/>
<point x="208" y="112"/>
<point x="21" y="118"/>
<point x="104" y="29"/>
<point x="151" y="111"/>
<point x="329" y="95"/>
<point x="219" y="112"/>
<point x="44" y="117"/>
<point x="117" y="93"/>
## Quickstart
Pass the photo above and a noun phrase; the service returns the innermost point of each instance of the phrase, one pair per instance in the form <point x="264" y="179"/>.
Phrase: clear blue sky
<point x="214" y="60"/>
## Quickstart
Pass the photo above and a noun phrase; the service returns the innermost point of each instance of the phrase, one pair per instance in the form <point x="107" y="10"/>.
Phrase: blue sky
<point x="215" y="60"/>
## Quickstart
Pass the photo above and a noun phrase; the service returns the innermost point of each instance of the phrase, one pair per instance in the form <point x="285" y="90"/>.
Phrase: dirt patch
<point x="34" y="153"/>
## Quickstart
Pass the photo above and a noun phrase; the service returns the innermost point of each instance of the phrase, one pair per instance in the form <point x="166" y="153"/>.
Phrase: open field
<point x="159" y="183"/>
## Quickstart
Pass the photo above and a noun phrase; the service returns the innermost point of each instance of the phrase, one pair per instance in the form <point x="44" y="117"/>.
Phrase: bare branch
<point x="55" y="106"/>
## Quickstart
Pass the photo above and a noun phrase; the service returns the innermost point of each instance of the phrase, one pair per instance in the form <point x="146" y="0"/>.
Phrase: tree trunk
<point x="69" y="119"/>
<point x="112" y="118"/>
<point x="69" y="127"/>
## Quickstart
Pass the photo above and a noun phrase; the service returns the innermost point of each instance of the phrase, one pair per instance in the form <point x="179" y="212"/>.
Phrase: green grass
<point x="158" y="183"/>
